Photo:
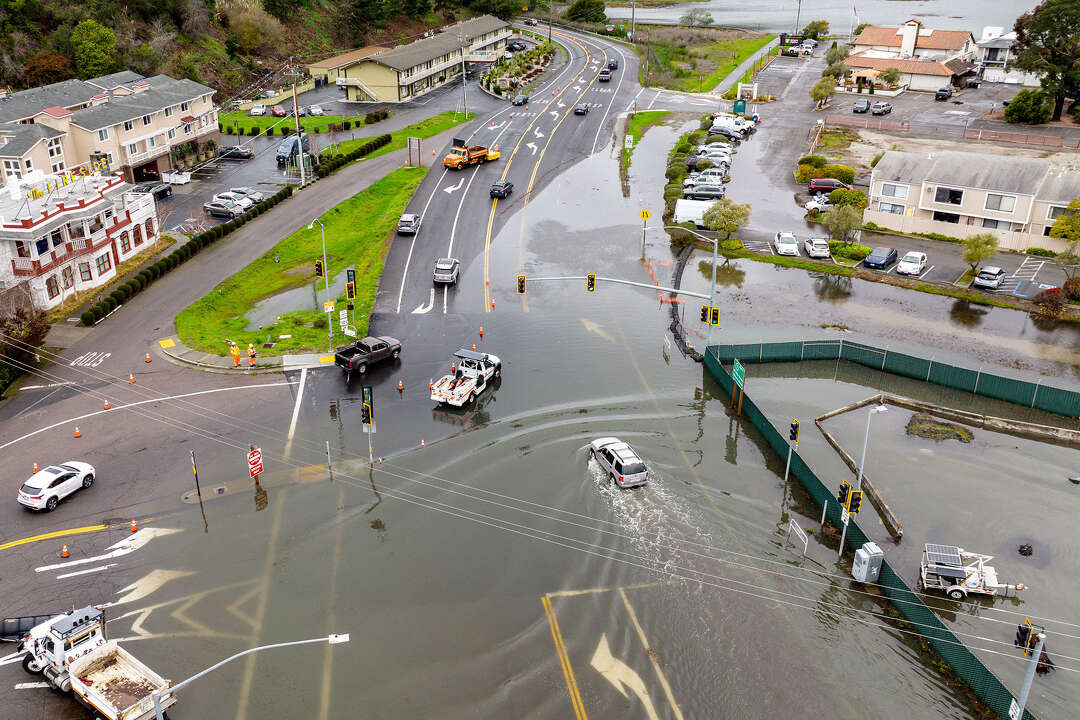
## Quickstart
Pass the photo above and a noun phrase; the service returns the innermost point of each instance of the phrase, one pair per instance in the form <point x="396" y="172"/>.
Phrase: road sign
<point x="1014" y="709"/>
<point x="350" y="275"/>
<point x="644" y="214"/>
<point x="255" y="463"/>
<point x="343" y="318"/>
<point x="328" y="306"/>
<point x="844" y="516"/>
<point x="738" y="373"/>
<point x="350" y="331"/>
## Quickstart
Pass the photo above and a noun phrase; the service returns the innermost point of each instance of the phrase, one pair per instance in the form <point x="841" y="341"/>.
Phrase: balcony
<point x="416" y="76"/>
<point x="145" y="155"/>
<point x="27" y="267"/>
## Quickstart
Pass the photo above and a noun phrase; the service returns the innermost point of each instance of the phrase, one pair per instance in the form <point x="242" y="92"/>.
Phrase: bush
<point x="1049" y="303"/>
<point x="704" y="164"/>
<point x="346" y="125"/>
<point x="674" y="172"/>
<point x="109" y="304"/>
<point x="253" y="130"/>
<point x="1041" y="252"/>
<point x="1072" y="289"/>
<point x="877" y="159"/>
<point x="673" y="192"/>
<point x="855" y="198"/>
<point x="843" y="173"/>
<point x="817" y="161"/>
<point x="88" y="318"/>
<point x="806" y="173"/>
<point x="1032" y="107"/>
<point x="117" y="296"/>
<point x="851" y="252"/>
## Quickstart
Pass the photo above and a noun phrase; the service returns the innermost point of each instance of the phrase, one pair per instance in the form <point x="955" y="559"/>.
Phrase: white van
<point x="691" y="211"/>
<point x="736" y="123"/>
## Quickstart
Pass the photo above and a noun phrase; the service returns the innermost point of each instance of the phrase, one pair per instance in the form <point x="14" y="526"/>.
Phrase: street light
<point x="712" y="293"/>
<point x="332" y="639"/>
<point x="880" y="408"/>
<point x="326" y="277"/>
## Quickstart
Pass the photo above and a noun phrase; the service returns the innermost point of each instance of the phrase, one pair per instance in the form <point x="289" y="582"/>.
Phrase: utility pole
<point x="299" y="137"/>
<point x="862" y="461"/>
<point x="798" y="15"/>
<point x="464" y="95"/>
<point x="633" y="13"/>
<point x="1030" y="676"/>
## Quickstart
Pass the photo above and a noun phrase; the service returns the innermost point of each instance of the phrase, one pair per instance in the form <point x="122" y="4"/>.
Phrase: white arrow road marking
<point x="11" y="659"/>
<point x="620" y="674"/>
<point x="126" y="546"/>
<point x="454" y="188"/>
<point x="531" y="146"/>
<point x="421" y="309"/>
<point x="596" y="328"/>
<point x="148" y="585"/>
<point x="576" y="88"/>
<point x="27" y="686"/>
<point x="537" y="133"/>
<point x="99" y="568"/>
<point x="555" y="114"/>
<point x="562" y="104"/>
<point x="496" y="127"/>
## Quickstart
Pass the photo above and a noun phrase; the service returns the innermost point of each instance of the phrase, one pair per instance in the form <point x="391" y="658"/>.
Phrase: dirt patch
<point x="929" y="427"/>
<point x="862" y="152"/>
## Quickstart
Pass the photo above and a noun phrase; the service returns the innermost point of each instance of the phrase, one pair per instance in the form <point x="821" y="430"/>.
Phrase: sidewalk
<point x="180" y="354"/>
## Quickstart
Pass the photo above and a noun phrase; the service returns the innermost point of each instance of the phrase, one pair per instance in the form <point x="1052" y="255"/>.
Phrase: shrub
<point x="346" y="125"/>
<point x="843" y="173"/>
<point x="1049" y="303"/>
<point x="270" y="130"/>
<point x="674" y="172"/>
<point x="673" y="192"/>
<point x="704" y="164"/>
<point x="1041" y="252"/>
<point x="854" y="198"/>
<point x="316" y="129"/>
<point x="851" y="252"/>
<point x="253" y="130"/>
<point x="88" y="318"/>
<point x="1072" y="288"/>
<point x="109" y="304"/>
<point x="877" y="159"/>
<point x="117" y="296"/>
<point x="1030" y="106"/>
<point x="817" y="161"/>
<point x="806" y="173"/>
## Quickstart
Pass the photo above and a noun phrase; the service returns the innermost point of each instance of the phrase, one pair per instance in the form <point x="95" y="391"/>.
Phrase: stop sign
<point x="255" y="462"/>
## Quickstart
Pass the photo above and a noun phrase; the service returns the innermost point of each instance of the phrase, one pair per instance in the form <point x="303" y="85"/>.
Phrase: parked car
<point x="861" y="105"/>
<point x="730" y="133"/>
<point x="604" y="75"/>
<point x="818" y="204"/>
<point x="989" y="278"/>
<point x="880" y="258"/>
<point x="250" y="193"/>
<point x="944" y="93"/>
<point x="409" y="224"/>
<point x="257" y="110"/>
<point x="501" y="188"/>
<point x="704" y="191"/>
<point x="278" y="111"/>
<point x="711" y="175"/>
<point x="245" y="203"/>
<point x="516" y="46"/>
<point x="160" y="191"/>
<point x="581" y="109"/>
<point x="913" y="263"/>
<point x="613" y="64"/>
<point x="446" y="270"/>
<point x="222" y="208"/>
<point x="619" y="462"/>
<point x="718" y="145"/>
<point x="817" y="248"/>
<point x="786" y="244"/>
<point x="315" y="110"/>
<point x="826" y="185"/>
<point x="530" y="22"/>
<point x="47" y="487"/>
<point x="881" y="108"/>
<point x="520" y="100"/>
<point x="236" y="152"/>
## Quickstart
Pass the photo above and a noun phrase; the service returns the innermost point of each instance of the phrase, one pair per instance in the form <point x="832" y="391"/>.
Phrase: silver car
<point x="619" y="461"/>
<point x="446" y="270"/>
<point x="989" y="278"/>
<point x="250" y="193"/>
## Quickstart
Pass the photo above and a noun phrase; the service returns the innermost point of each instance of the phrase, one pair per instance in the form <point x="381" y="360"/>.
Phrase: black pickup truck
<point x="356" y="356"/>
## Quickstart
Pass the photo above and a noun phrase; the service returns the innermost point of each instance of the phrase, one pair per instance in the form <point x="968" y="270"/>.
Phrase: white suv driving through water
<point x="620" y="462"/>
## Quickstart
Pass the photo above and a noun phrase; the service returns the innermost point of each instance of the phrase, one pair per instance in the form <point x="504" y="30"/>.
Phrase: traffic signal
<point x="1025" y="637"/>
<point x="350" y="290"/>
<point x="590" y="282"/>
<point x="367" y="410"/>
<point x="521" y="284"/>
<point x="365" y="414"/>
<point x="704" y="313"/>
<point x="318" y="268"/>
<point x="855" y="502"/>
<point x="794" y="432"/>
<point x="715" y="317"/>
<point x="843" y="492"/>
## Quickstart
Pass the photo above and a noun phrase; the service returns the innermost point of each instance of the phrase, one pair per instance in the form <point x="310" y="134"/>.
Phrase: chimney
<point x="908" y="33"/>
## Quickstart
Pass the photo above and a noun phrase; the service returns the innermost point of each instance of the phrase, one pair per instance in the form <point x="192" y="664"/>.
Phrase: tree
<point x="1048" y="42"/>
<point x="1067" y="228"/>
<point x="281" y="8"/>
<point x="1029" y="106"/>
<point x="823" y="89"/>
<point x="21" y="334"/>
<point x="254" y="29"/>
<point x="696" y="17"/>
<point x="47" y="67"/>
<point x="836" y="71"/>
<point x="94" y="48"/>
<point x="978" y="248"/>
<point x="816" y="29"/>
<point x="836" y="54"/>
<point x="726" y="216"/>
<point x="859" y="28"/>
<point x="586" y="11"/>
<point x="843" y="223"/>
<point x="890" y="76"/>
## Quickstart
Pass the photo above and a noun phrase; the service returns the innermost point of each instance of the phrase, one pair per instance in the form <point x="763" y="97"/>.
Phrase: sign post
<point x="255" y="463"/>
<point x="644" y="215"/>
<point x="738" y="374"/>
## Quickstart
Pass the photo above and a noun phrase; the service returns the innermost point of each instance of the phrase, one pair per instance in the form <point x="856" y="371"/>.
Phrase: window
<point x="896" y="191"/>
<point x="1046" y="230"/>
<point x="184" y="106"/>
<point x="996" y="224"/>
<point x="103" y="134"/>
<point x="22" y="249"/>
<point x="58" y="167"/>
<point x="104" y="264"/>
<point x="57" y="238"/>
<point x="171" y="133"/>
<point x="1001" y="203"/>
<point x="145" y="119"/>
<point x="187" y="128"/>
<point x="1055" y="212"/>
<point x="168" y="112"/>
<point x="137" y="232"/>
<point x="68" y="277"/>
<point x="151" y="142"/>
<point x="946" y="217"/>
<point x="128" y="125"/>
<point x="12" y="169"/>
<point x="29" y="164"/>
<point x="125" y="242"/>
<point x="52" y="287"/>
<point x="133" y="149"/>
<point x="42" y="246"/>
<point x="84" y="272"/>
<point x="109" y="158"/>
<point x="149" y="228"/>
<point x="949" y="196"/>
<point x="891" y="208"/>
<point x="55" y="148"/>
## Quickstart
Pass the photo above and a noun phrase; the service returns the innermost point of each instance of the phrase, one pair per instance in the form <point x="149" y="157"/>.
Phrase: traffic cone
<point x="134" y="527"/>
<point x="421" y="443"/>
<point x="492" y="303"/>
<point x="453" y="369"/>
<point x="474" y="347"/>
<point x="64" y="551"/>
<point x="481" y="332"/>
<point x="400" y="385"/>
<point x="131" y="378"/>
<point x="430" y="386"/>
<point x="77" y="433"/>
<point x="36" y="468"/>
<point x="107" y="405"/>
<point x="147" y="357"/>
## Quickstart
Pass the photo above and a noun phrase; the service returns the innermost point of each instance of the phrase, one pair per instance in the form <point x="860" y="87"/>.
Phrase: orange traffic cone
<point x="400" y="385"/>
<point x="421" y="442"/>
<point x="481" y="332"/>
<point x="64" y="551"/>
<point x="107" y="405"/>
<point x="492" y="303"/>
<point x="131" y="378"/>
<point x="77" y="433"/>
<point x="453" y="369"/>
<point x="474" y="347"/>
<point x="147" y="357"/>
<point x="134" y="527"/>
<point x="430" y="386"/>
<point x="36" y="468"/>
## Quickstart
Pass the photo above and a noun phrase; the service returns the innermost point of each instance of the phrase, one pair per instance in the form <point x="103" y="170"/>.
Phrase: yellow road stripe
<point x="564" y="659"/>
<point x="55" y="534"/>
<point x="652" y="657"/>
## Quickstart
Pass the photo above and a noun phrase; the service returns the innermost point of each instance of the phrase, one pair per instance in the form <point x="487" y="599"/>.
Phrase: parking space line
<point x="926" y="272"/>
<point x="564" y="660"/>
<point x="652" y="657"/>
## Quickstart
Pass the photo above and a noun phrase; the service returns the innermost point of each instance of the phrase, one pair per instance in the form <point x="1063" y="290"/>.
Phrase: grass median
<point x="240" y="123"/>
<point x="424" y="129"/>
<point x="357" y="235"/>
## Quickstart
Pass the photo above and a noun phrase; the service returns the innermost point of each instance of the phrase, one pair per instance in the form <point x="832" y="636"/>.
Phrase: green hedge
<point x="144" y="278"/>
<point x="1040" y="252"/>
<point x="330" y="166"/>
<point x="851" y="252"/>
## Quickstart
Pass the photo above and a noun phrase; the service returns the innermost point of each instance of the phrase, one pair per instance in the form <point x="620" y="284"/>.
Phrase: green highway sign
<point x="738" y="373"/>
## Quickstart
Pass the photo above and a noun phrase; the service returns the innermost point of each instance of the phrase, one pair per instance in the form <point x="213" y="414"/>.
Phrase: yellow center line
<point x="54" y="534"/>
<point x="564" y="660"/>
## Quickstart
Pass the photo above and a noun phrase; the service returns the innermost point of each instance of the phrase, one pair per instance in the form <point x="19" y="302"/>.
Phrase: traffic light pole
<point x="1030" y="676"/>
<point x="326" y="278"/>
<point x="793" y="442"/>
<point x="862" y="462"/>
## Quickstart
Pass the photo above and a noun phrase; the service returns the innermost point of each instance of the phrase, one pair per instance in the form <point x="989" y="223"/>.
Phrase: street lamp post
<point x="326" y="278"/>
<point x="332" y="639"/>
<point x="862" y="460"/>
<point x="712" y="293"/>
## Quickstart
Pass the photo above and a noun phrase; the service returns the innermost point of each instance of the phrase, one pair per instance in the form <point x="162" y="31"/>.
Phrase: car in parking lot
<point x="710" y="175"/>
<point x="520" y="99"/>
<point x="160" y="191"/>
<point x="315" y="110"/>
<point x="257" y="110"/>
<point x="943" y="94"/>
<point x="989" y="278"/>
<point x="913" y="263"/>
<point x="47" y="487"/>
<point x="704" y="191"/>
<point x="861" y="105"/>
<point x="604" y="75"/>
<point x="236" y="198"/>
<point x="278" y="111"/>
<point x="581" y="109"/>
<point x="817" y="248"/>
<point x="222" y="208"/>
<point x="817" y="204"/>
<point x="730" y="133"/>
<point x="786" y="244"/>
<point x="446" y="271"/>
<point x="718" y="145"/>
<point x="880" y="258"/>
<point x="881" y="108"/>
<point x="409" y="224"/>
<point x="613" y="64"/>
<point x="501" y="188"/>
<point x="516" y="46"/>
<point x="619" y="462"/>
<point x="236" y="152"/>
<point x="250" y="193"/>
<point x="826" y="185"/>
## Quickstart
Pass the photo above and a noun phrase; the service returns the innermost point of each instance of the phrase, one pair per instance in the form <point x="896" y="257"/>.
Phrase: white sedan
<point x="240" y="199"/>
<point x="817" y="248"/>
<point x="47" y="487"/>
<point x="786" y="244"/>
<point x="818" y="204"/>
<point x="257" y="110"/>
<point x="911" y="264"/>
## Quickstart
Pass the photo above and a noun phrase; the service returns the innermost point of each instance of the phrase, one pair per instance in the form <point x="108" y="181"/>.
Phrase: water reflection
<point x="831" y="288"/>
<point x="964" y="313"/>
<point x="728" y="274"/>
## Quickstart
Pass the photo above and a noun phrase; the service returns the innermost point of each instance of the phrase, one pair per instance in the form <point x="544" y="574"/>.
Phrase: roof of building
<point x="1001" y="173"/>
<point x="959" y="67"/>
<point x="21" y="138"/>
<point x="913" y="67"/>
<point x="904" y="167"/>
<point x="57" y="111"/>
<point x="116" y="79"/>
<point x="347" y="58"/>
<point x="163" y="92"/>
<point x="27" y="103"/>
<point x="933" y="40"/>
<point x="1060" y="186"/>
<point x="43" y="213"/>
<point x="999" y="41"/>
<point x="420" y="51"/>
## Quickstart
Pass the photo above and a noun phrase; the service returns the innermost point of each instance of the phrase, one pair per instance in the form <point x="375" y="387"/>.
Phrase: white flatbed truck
<point x="959" y="573"/>
<point x="471" y="373"/>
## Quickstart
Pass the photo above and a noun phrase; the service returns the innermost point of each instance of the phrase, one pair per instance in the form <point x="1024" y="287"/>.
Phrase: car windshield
<point x="444" y="264"/>
<point x="879" y="252"/>
<point x="787" y="238"/>
<point x="987" y="275"/>
<point x="29" y="489"/>
<point x="911" y="258"/>
<point x="633" y="468"/>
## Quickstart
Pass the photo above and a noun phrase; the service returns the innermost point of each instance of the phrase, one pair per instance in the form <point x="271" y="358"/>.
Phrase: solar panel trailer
<point x="959" y="573"/>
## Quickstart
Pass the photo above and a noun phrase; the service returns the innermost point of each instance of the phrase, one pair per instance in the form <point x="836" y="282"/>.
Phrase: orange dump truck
<point x="462" y="154"/>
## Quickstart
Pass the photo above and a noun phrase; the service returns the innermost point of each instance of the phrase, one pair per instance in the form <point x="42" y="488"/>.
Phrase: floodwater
<point x="776" y="16"/>
<point x="305" y="297"/>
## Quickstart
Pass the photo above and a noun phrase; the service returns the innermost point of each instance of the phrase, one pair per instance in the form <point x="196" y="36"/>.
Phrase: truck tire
<point x="472" y="398"/>
<point x="361" y="368"/>
<point x="956" y="594"/>
<point x="27" y="659"/>
<point x="498" y="370"/>
<point x="394" y="355"/>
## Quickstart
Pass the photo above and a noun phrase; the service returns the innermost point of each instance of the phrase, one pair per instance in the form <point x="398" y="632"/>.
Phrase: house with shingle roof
<point x="927" y="59"/>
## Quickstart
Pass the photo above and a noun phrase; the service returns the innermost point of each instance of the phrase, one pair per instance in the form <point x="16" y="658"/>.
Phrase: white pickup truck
<point x="471" y="373"/>
<point x="73" y="654"/>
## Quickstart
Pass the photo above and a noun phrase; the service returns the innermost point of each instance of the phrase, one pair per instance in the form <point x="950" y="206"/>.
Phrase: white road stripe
<point x="613" y="96"/>
<point x="50" y="385"/>
<point x="295" y="412"/>
<point x="27" y="686"/>
<point x="86" y="572"/>
<point x="412" y="246"/>
<point x="126" y="546"/>
<point x="11" y="659"/>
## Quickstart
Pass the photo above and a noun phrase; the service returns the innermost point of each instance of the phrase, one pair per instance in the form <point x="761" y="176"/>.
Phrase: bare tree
<point x="196" y="18"/>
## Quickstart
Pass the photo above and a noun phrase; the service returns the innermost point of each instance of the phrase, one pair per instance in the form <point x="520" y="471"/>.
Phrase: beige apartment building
<point x="408" y="71"/>
<point x="130" y="121"/>
<point x="961" y="194"/>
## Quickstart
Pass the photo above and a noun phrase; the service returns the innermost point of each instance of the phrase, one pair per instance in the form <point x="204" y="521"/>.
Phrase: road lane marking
<point x="622" y="676"/>
<point x="422" y="308"/>
<point x="652" y="657"/>
<point x="614" y="95"/>
<point x="86" y="572"/>
<point x="412" y="245"/>
<point x="461" y="201"/>
<point x="537" y="134"/>
<point x="125" y="547"/>
<point x="564" y="660"/>
<point x="50" y="385"/>
<point x="927" y="272"/>
<point x="54" y="534"/>
<point x="612" y="588"/>
<point x="295" y="412"/>
<point x="28" y="685"/>
<point x="141" y="402"/>
<point x="147" y="585"/>
<point x="454" y="188"/>
<point x="532" y="146"/>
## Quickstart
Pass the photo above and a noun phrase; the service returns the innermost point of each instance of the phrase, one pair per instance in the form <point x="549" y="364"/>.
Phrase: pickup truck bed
<point x="113" y="681"/>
